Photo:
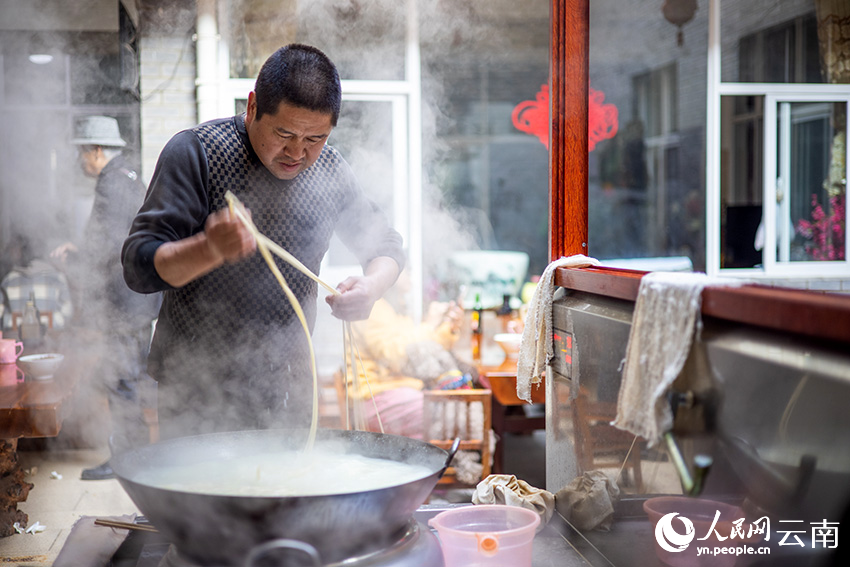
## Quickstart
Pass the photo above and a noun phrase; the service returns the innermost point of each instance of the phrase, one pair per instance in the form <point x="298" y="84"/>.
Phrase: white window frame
<point x="773" y="94"/>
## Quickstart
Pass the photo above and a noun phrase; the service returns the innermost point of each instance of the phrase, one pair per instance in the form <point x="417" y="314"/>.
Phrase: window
<point x="781" y="153"/>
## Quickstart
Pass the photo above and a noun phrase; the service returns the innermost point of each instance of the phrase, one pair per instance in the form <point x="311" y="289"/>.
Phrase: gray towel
<point x="665" y="322"/>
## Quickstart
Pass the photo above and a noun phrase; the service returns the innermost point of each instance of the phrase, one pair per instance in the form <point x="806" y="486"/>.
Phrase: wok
<point x="222" y="530"/>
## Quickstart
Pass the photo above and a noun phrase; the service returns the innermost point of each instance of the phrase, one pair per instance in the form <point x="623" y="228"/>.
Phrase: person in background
<point x="229" y="352"/>
<point x="399" y="358"/>
<point x="116" y="318"/>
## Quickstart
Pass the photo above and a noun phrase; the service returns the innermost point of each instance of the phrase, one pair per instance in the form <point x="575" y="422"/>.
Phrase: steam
<point x="45" y="199"/>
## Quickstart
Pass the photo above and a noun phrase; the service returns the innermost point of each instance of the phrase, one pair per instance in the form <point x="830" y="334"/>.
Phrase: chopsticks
<point x="124" y="525"/>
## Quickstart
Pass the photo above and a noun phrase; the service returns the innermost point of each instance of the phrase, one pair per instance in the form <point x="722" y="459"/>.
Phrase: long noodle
<point x="355" y="359"/>
<point x="266" y="247"/>
<point x="237" y="209"/>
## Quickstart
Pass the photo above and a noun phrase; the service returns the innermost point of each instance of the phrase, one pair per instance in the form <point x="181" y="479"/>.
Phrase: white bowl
<point x="40" y="366"/>
<point x="510" y="343"/>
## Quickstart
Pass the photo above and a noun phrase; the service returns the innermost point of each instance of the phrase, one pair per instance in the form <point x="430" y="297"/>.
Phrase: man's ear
<point x="251" y="110"/>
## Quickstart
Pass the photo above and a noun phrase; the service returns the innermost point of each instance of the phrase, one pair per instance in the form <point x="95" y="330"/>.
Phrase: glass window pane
<point x="741" y="186"/>
<point x="775" y="42"/>
<point x="810" y="203"/>
<point x="480" y="62"/>
<point x="646" y="183"/>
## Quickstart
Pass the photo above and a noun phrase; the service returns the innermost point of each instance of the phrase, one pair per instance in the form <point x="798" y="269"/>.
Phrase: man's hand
<point x="228" y="238"/>
<point x="62" y="251"/>
<point x="224" y="239"/>
<point x="358" y="294"/>
<point x="356" y="300"/>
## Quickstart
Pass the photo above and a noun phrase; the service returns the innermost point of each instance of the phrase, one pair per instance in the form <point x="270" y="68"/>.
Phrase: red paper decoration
<point x="532" y="117"/>
<point x="601" y="119"/>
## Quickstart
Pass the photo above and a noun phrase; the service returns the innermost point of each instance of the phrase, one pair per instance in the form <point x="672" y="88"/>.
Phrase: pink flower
<point x="825" y="233"/>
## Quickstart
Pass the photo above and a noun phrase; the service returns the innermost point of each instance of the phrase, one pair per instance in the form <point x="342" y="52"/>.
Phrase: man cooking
<point x="228" y="351"/>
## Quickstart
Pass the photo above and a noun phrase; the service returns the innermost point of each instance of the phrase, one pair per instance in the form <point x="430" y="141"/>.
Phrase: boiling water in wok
<point x="222" y="528"/>
<point x="325" y="470"/>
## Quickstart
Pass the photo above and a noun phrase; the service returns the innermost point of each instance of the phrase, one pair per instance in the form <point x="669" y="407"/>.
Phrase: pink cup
<point x="10" y="374"/>
<point x="10" y="350"/>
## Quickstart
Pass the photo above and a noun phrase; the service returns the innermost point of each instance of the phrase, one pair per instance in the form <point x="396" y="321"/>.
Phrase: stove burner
<point x="416" y="545"/>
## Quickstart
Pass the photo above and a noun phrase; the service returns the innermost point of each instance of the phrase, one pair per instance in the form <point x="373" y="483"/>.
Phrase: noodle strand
<point x="267" y="246"/>
<point x="236" y="207"/>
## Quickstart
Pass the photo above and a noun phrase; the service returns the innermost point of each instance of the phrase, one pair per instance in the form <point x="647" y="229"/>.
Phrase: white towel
<point x="536" y="349"/>
<point x="508" y="490"/>
<point x="666" y="319"/>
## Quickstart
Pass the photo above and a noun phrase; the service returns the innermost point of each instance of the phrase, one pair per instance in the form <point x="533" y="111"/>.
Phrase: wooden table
<point x="508" y="413"/>
<point x="30" y="409"/>
<point x="36" y="409"/>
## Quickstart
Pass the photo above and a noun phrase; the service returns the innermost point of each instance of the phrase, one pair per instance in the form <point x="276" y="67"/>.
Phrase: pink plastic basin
<point x="486" y="536"/>
<point x="700" y="512"/>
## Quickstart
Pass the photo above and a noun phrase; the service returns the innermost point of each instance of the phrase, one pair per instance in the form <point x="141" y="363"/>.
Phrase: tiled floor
<point x="57" y="501"/>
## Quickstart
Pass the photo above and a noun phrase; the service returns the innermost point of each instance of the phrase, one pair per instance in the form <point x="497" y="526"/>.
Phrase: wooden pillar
<point x="568" y="93"/>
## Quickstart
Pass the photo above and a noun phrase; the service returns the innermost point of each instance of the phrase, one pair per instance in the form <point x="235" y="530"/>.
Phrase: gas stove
<point x="416" y="545"/>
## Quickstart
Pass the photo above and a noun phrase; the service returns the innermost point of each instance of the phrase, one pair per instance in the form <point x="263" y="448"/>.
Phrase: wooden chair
<point x="509" y="414"/>
<point x="600" y="444"/>
<point x="435" y="405"/>
<point x="46" y="318"/>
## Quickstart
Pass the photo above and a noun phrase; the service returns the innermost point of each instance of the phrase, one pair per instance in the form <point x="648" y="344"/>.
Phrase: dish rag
<point x="535" y="350"/>
<point x="665" y="322"/>
<point x="508" y="490"/>
<point x="588" y="501"/>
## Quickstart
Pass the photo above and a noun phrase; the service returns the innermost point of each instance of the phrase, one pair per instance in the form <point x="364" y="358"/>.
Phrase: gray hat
<point x="98" y="131"/>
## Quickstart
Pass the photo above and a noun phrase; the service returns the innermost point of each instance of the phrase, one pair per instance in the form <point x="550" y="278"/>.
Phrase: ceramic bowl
<point x="510" y="343"/>
<point x="40" y="366"/>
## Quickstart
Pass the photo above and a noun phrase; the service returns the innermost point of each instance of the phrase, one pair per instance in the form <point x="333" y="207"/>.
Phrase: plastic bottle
<point x="477" y="326"/>
<point x="505" y="313"/>
<point x="30" y="330"/>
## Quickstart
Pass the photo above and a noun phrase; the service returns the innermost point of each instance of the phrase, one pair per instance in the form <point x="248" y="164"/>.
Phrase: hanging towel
<point x="536" y="350"/>
<point x="666" y="319"/>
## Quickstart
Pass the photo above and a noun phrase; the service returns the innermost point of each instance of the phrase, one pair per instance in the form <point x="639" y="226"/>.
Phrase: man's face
<point x="289" y="141"/>
<point x="88" y="158"/>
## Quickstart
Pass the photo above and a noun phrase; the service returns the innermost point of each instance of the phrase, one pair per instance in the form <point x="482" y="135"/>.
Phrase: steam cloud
<point x="365" y="39"/>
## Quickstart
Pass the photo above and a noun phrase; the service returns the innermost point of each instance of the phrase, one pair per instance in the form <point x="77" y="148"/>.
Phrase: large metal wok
<point x="222" y="530"/>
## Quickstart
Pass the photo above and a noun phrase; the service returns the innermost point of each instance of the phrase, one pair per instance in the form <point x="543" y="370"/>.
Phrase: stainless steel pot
<point x="222" y="530"/>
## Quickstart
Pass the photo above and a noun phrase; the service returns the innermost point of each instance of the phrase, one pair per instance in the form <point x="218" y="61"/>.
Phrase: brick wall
<point x="167" y="85"/>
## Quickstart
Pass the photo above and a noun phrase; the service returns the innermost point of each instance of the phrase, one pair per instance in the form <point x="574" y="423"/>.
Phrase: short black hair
<point x="300" y="75"/>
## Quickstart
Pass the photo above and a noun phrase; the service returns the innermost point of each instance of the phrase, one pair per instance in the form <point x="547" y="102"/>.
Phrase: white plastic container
<point x="486" y="536"/>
